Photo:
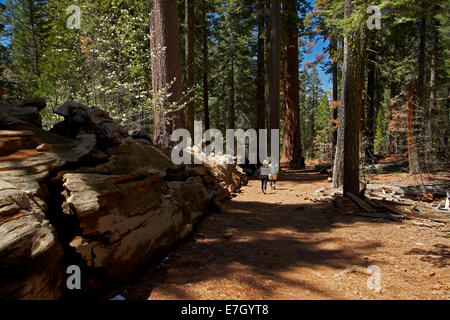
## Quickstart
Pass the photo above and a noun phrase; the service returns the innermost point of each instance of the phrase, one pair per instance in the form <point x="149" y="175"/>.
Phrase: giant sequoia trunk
<point x="346" y="166"/>
<point x="292" y="152"/>
<point x="189" y="21"/>
<point x="275" y="63"/>
<point x="166" y="70"/>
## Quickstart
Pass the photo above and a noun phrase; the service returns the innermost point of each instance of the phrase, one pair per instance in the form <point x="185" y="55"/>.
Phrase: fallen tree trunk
<point x="390" y="208"/>
<point x="436" y="190"/>
<point x="360" y="203"/>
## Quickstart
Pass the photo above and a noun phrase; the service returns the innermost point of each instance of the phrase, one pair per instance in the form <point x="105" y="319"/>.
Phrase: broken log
<point x="428" y="225"/>
<point x="378" y="196"/>
<point x="437" y="190"/>
<point x="360" y="203"/>
<point x="390" y="208"/>
<point x="378" y="215"/>
<point x="373" y="204"/>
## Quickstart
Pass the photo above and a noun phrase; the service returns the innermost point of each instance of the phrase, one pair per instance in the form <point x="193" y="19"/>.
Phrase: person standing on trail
<point x="264" y="175"/>
<point x="274" y="169"/>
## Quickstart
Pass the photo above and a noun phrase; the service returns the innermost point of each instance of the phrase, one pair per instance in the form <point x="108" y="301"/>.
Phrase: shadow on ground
<point x="268" y="239"/>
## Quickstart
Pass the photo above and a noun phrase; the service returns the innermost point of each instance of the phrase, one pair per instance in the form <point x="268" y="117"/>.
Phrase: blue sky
<point x="320" y="47"/>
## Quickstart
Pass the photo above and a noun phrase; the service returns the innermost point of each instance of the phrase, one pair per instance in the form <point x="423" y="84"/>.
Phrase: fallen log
<point x="390" y="208"/>
<point x="437" y="190"/>
<point x="378" y="215"/>
<point x="428" y="225"/>
<point x="378" y="196"/>
<point x="373" y="204"/>
<point x="360" y="203"/>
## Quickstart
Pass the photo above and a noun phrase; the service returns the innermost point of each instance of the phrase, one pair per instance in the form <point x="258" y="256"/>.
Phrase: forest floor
<point x="284" y="246"/>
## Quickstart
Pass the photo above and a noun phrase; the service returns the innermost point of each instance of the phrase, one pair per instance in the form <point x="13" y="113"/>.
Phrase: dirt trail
<point x="284" y="246"/>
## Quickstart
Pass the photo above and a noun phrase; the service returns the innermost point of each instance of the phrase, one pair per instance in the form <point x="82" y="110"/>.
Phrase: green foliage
<point x="233" y="40"/>
<point x="3" y="46"/>
<point x="311" y="94"/>
<point x="381" y="142"/>
<point x="323" y="136"/>
<point x="26" y="28"/>
<point x="104" y="64"/>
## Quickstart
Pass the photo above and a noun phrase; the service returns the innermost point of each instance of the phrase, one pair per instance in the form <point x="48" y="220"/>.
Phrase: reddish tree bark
<point x="166" y="69"/>
<point x="292" y="151"/>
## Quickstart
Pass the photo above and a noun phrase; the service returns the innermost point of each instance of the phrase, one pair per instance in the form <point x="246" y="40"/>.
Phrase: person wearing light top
<point x="274" y="169"/>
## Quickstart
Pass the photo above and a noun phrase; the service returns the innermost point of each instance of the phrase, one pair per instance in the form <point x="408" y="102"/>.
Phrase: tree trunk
<point x="231" y="115"/>
<point x="392" y="104"/>
<point x="421" y="78"/>
<point x="205" y="67"/>
<point x="275" y="62"/>
<point x="292" y="150"/>
<point x="411" y="102"/>
<point x="431" y="103"/>
<point x="362" y="63"/>
<point x="338" y="167"/>
<point x="35" y="45"/>
<point x="268" y="64"/>
<point x="346" y="166"/>
<point x="313" y="124"/>
<point x="166" y="68"/>
<point x="260" y="83"/>
<point x="189" y="38"/>
<point x="335" y="103"/>
<point x="369" y="131"/>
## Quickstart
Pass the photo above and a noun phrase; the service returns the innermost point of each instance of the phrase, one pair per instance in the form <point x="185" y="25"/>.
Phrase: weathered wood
<point x="375" y="215"/>
<point x="390" y="208"/>
<point x="389" y="197"/>
<point x="436" y="190"/>
<point x="361" y="203"/>
<point x="447" y="201"/>
<point x="429" y="225"/>
<point x="377" y="187"/>
<point x="373" y="204"/>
